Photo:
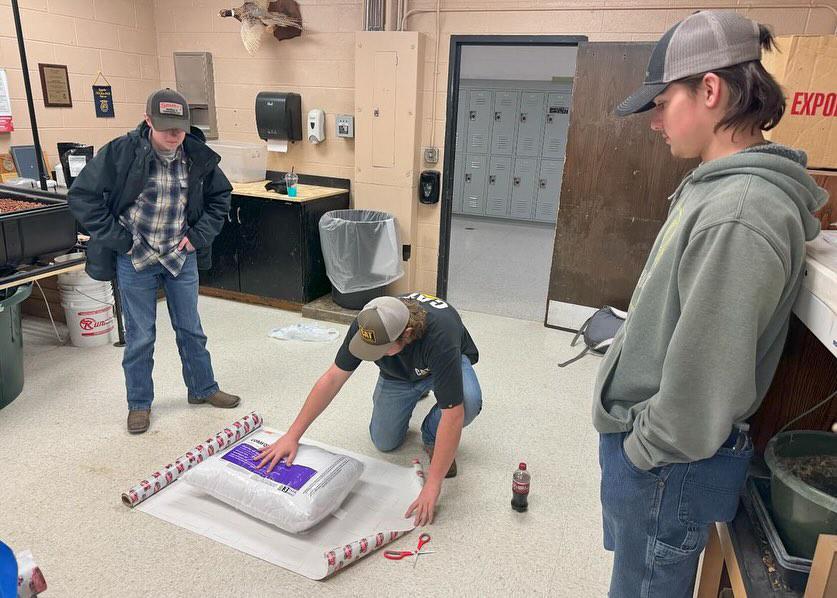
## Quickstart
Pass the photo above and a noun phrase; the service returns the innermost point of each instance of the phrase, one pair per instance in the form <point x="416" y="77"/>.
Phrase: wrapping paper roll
<point x="168" y="474"/>
<point x="30" y="580"/>
<point x="343" y="556"/>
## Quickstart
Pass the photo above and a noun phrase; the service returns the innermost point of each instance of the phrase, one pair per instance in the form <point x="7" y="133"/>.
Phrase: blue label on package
<point x="295" y="476"/>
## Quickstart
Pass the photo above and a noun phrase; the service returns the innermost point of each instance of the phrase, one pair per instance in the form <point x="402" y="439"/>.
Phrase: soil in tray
<point x="8" y="204"/>
<point x="819" y="471"/>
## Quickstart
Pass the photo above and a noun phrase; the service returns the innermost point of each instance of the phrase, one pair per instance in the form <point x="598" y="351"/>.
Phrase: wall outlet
<point x="431" y="155"/>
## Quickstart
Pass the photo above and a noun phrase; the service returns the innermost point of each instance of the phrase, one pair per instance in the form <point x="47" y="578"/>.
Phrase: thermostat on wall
<point x="345" y="125"/>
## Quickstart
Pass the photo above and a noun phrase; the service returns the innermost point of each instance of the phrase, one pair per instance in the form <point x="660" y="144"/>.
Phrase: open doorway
<point x="508" y="116"/>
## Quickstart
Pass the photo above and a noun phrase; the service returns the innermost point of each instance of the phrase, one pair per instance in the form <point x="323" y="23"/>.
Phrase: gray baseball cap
<point x="380" y="323"/>
<point x="700" y="43"/>
<point x="168" y="110"/>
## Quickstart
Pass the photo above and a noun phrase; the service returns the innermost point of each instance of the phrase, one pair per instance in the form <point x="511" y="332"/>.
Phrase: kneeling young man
<point x="420" y="344"/>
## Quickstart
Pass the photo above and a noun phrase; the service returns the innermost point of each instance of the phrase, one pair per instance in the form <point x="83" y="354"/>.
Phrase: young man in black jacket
<point x="153" y="201"/>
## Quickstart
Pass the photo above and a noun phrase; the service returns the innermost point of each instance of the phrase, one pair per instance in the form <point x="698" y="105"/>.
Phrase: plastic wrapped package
<point x="292" y="498"/>
<point x="361" y="248"/>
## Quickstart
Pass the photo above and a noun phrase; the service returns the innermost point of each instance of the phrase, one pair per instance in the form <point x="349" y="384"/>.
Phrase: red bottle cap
<point x="522" y="466"/>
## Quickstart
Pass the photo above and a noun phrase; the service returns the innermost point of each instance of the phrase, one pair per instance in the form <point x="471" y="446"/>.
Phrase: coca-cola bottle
<point x="520" y="489"/>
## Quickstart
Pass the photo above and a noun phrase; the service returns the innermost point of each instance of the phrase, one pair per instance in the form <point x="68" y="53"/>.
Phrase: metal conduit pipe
<point x="582" y="8"/>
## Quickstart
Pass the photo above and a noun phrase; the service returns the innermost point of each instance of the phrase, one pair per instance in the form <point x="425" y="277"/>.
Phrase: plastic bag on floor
<point x="292" y="498"/>
<point x="305" y="332"/>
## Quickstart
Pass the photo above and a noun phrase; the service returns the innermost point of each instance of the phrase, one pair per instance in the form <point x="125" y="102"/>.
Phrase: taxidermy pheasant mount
<point x="262" y="17"/>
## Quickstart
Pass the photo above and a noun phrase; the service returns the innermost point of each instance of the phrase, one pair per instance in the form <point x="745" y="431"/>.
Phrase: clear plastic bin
<point x="241" y="162"/>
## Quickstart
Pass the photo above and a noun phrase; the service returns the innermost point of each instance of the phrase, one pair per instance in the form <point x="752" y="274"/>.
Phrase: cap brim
<point x="363" y="350"/>
<point x="641" y="100"/>
<point x="162" y="123"/>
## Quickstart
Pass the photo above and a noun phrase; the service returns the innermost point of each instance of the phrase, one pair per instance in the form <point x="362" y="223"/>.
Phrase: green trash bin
<point x="11" y="343"/>
<point x="801" y="512"/>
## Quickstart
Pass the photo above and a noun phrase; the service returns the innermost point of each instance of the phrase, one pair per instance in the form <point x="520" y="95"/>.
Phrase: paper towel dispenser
<point x="279" y="115"/>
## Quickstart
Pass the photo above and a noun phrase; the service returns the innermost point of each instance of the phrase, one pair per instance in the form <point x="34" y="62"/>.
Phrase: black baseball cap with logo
<point x="168" y="109"/>
<point x="700" y="43"/>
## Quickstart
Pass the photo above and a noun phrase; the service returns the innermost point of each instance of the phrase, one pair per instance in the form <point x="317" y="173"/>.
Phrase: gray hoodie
<point x="709" y="316"/>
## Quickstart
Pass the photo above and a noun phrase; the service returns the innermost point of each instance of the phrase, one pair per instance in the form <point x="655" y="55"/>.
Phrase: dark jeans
<point x="657" y="522"/>
<point x="139" y="305"/>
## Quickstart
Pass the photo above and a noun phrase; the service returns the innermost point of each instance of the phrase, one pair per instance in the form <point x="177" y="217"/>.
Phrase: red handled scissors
<point x="397" y="555"/>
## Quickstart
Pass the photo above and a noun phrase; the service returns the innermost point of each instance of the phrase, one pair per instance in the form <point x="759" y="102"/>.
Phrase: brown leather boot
<point x="451" y="472"/>
<point x="220" y="399"/>
<point x="138" y="420"/>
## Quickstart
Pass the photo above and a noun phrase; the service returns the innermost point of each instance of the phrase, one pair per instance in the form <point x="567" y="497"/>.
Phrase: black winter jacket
<point x="112" y="181"/>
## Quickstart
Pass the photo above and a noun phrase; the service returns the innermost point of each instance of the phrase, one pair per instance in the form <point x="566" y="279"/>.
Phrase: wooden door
<point x="614" y="195"/>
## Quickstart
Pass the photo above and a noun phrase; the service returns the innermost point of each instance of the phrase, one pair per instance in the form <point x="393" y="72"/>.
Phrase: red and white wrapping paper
<point x="371" y="517"/>
<point x="343" y="556"/>
<point x="168" y="474"/>
<point x="30" y="580"/>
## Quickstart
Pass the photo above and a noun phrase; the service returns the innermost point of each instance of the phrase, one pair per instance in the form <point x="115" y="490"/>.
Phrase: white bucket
<point x="77" y="277"/>
<point x="88" y="306"/>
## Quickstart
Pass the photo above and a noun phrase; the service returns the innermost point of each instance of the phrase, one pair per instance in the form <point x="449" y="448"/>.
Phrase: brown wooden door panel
<point x="617" y="180"/>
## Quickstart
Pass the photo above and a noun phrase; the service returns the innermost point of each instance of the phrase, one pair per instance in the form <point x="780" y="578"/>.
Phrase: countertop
<point x="304" y="192"/>
<point x="817" y="302"/>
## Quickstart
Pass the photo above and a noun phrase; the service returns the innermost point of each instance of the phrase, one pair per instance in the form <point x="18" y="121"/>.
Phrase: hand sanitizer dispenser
<point x="316" y="126"/>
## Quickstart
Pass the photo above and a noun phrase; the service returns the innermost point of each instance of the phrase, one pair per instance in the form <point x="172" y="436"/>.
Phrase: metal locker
<point x="458" y="181"/>
<point x="505" y="122"/>
<point x="557" y="125"/>
<point x="530" y="124"/>
<point x="479" y="121"/>
<point x="523" y="188"/>
<point x="459" y="150"/>
<point x="462" y="119"/>
<point x="549" y="190"/>
<point x="497" y="189"/>
<point x="473" y="196"/>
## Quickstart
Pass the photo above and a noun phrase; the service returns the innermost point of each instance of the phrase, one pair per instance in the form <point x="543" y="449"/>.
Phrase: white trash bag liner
<point x="311" y="333"/>
<point x="361" y="248"/>
<point x="292" y="498"/>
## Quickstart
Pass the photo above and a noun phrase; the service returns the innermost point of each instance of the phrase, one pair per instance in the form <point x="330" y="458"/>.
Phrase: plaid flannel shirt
<point x="157" y="220"/>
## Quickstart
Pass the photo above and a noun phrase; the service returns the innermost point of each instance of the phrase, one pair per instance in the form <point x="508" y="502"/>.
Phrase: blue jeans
<point x="139" y="306"/>
<point x="657" y="522"/>
<point x="395" y="400"/>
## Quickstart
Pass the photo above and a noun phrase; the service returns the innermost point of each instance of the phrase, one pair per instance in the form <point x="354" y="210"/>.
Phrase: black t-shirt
<point x="438" y="353"/>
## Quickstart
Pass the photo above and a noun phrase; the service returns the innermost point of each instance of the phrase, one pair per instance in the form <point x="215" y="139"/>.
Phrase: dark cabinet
<point x="224" y="271"/>
<point x="271" y="248"/>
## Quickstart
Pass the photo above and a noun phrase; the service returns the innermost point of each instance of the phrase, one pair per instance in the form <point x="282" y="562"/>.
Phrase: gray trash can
<point x="11" y="343"/>
<point x="362" y="253"/>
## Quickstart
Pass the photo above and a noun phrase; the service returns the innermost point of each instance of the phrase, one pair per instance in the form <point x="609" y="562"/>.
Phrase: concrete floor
<point x="500" y="266"/>
<point x="67" y="457"/>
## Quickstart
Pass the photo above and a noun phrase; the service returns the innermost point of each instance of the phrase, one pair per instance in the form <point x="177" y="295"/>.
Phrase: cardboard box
<point x="7" y="165"/>
<point x="806" y="68"/>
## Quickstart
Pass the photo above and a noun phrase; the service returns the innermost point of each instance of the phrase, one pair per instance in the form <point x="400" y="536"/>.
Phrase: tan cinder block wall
<point x="319" y="65"/>
<point x="616" y="20"/>
<point x="117" y="37"/>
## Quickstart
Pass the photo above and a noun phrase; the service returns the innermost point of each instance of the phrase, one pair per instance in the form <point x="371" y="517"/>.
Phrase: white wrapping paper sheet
<point x="370" y="517"/>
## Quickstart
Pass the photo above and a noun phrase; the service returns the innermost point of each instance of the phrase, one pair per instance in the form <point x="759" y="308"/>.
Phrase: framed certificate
<point x="55" y="83"/>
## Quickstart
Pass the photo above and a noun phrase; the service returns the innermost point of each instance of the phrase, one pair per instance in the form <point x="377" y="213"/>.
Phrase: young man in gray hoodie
<point x="709" y="316"/>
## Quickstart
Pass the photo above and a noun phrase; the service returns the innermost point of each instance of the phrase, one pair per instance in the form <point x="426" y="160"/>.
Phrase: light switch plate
<point x="345" y="125"/>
